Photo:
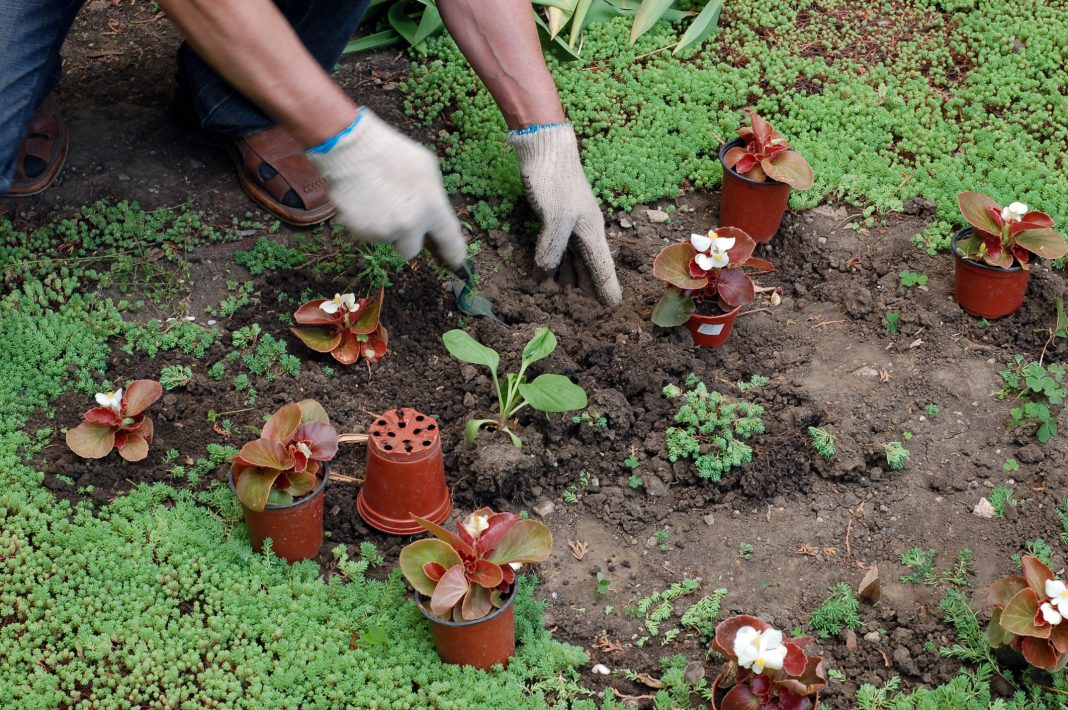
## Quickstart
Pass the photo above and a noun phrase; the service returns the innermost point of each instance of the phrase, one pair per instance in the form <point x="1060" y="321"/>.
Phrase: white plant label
<point x="710" y="329"/>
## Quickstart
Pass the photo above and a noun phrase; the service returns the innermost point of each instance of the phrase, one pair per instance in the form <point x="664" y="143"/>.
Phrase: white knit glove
<point x="561" y="196"/>
<point x="387" y="188"/>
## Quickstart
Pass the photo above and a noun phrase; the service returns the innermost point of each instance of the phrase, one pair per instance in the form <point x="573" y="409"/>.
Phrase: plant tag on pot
<point x="710" y="329"/>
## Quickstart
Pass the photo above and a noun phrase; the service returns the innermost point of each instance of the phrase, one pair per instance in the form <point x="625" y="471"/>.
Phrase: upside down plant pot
<point x="753" y="206"/>
<point x="711" y="331"/>
<point x="405" y="473"/>
<point x="718" y="693"/>
<point x="296" y="529"/>
<point x="481" y="643"/>
<point x="987" y="291"/>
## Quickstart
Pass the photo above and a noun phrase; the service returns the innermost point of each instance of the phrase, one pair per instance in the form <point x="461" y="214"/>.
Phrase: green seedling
<point x="635" y="481"/>
<point x="174" y="376"/>
<point x="823" y="442"/>
<point x="893" y="318"/>
<point x="1011" y="465"/>
<point x="745" y="551"/>
<point x="545" y="393"/>
<point x="896" y="455"/>
<point x="911" y="279"/>
<point x="837" y="613"/>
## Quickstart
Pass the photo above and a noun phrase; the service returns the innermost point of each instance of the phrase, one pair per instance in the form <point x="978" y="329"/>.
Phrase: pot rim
<point x="960" y="234"/>
<point x="728" y="314"/>
<point x="300" y="501"/>
<point x="738" y="143"/>
<point x="459" y="624"/>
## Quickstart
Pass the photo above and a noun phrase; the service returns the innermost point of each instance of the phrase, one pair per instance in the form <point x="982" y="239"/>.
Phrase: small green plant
<point x="911" y="279"/>
<point x="635" y="481"/>
<point x="240" y="296"/>
<point x="347" y="327"/>
<point x="823" y="442"/>
<point x="170" y="456"/>
<point x="923" y="570"/>
<point x="906" y="435"/>
<point x="893" y="319"/>
<point x="661" y="537"/>
<point x="1011" y="465"/>
<point x="745" y="551"/>
<point x="702" y="615"/>
<point x="174" y="376"/>
<point x="598" y="422"/>
<point x="1041" y="392"/>
<point x="246" y="337"/>
<point x="710" y="430"/>
<point x="754" y="382"/>
<point x="327" y="371"/>
<point x="999" y="498"/>
<point x="835" y="674"/>
<point x="217" y="371"/>
<point x="545" y="393"/>
<point x="604" y="585"/>
<point x="1039" y="549"/>
<point x="932" y="410"/>
<point x="896" y="455"/>
<point x="631" y="462"/>
<point x="380" y="263"/>
<point x="837" y="613"/>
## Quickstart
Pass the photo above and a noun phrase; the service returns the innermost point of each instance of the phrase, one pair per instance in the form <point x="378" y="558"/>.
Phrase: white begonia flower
<point x="475" y="524"/>
<point x="1014" y="212"/>
<point x="701" y="242"/>
<point x="303" y="448"/>
<point x="111" y="400"/>
<point x="1057" y="591"/>
<point x="339" y="301"/>
<point x="1051" y="615"/>
<point x="759" y="650"/>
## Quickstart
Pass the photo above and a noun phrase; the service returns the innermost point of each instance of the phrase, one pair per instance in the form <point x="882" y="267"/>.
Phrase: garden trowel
<point x="468" y="299"/>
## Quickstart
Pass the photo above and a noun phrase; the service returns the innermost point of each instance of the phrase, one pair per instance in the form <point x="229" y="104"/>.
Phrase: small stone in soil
<point x="870" y="589"/>
<point x="601" y="669"/>
<point x="545" y="508"/>
<point x="709" y="519"/>
<point x="657" y="216"/>
<point x="873" y="637"/>
<point x="984" y="509"/>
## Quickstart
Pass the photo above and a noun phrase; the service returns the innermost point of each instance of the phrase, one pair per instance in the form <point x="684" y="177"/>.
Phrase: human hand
<point x="387" y="188"/>
<point x="562" y="197"/>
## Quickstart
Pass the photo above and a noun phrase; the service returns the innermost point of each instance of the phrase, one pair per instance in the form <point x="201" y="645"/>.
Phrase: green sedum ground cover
<point x="157" y="599"/>
<point x="888" y="100"/>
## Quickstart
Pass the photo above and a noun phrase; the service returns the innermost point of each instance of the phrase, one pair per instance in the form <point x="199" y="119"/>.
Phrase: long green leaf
<point x="650" y="12"/>
<point x="399" y="21"/>
<point x="429" y="24"/>
<point x="540" y="346"/>
<point x="557" y="45"/>
<point x="465" y="348"/>
<point x="581" y="9"/>
<point x="703" y="26"/>
<point x="553" y="393"/>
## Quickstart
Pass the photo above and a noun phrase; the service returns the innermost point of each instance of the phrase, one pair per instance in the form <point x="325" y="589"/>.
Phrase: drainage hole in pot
<point x="380" y="422"/>
<point x="417" y="431"/>
<point x="408" y="448"/>
<point x="430" y="427"/>
<point x="402" y="424"/>
<point x="387" y="447"/>
<point x="426" y="443"/>
<point x="420" y="418"/>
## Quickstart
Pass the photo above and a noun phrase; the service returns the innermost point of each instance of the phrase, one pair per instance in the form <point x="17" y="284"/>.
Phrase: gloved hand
<point x="561" y="196"/>
<point x="387" y="188"/>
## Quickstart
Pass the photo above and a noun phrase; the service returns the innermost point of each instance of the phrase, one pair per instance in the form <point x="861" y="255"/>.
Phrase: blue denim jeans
<point x="32" y="33"/>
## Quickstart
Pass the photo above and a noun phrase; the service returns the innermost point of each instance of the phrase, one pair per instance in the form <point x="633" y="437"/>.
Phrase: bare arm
<point x="500" y="39"/>
<point x="250" y="43"/>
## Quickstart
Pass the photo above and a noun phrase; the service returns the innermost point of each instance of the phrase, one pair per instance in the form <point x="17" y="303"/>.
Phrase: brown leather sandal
<point x="271" y="167"/>
<point x="42" y="152"/>
<point x="274" y="171"/>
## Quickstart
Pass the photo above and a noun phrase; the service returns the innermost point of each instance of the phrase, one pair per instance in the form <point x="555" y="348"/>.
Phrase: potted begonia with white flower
<point x="117" y="422"/>
<point x="764" y="671"/>
<point x="465" y="582"/>
<point x="708" y="283"/>
<point x="994" y="255"/>
<point x="1031" y="615"/>
<point x="347" y="327"/>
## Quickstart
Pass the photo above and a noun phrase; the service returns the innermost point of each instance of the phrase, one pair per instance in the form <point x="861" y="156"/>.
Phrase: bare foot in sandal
<point x="41" y="152"/>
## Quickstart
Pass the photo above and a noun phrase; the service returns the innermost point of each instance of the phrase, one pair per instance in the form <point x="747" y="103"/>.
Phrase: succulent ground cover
<point x="137" y="582"/>
<point x="887" y="100"/>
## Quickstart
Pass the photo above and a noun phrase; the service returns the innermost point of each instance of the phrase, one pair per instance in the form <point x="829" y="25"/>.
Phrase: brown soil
<point x="825" y="349"/>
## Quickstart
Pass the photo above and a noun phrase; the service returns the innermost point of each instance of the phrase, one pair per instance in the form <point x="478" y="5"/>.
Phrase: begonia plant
<point x="767" y="154"/>
<point x="118" y="422"/>
<point x="347" y="327"/>
<point x="467" y="574"/>
<point x="765" y="672"/>
<point x="707" y="267"/>
<point x="1031" y="615"/>
<point x="284" y="463"/>
<point x="1004" y="237"/>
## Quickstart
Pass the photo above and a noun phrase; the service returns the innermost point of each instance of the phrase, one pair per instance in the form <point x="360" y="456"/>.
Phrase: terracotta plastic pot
<point x="405" y="474"/>
<point x="296" y="530"/>
<point x="987" y="291"/>
<point x="754" y="207"/>
<point x="711" y="331"/>
<point x="718" y="693"/>
<point x="481" y="643"/>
